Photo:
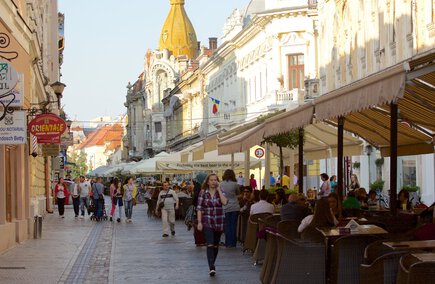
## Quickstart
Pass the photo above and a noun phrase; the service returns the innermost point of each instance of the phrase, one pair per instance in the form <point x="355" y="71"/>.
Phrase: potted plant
<point x="356" y="165"/>
<point x="377" y="185"/>
<point x="379" y="162"/>
<point x="411" y="188"/>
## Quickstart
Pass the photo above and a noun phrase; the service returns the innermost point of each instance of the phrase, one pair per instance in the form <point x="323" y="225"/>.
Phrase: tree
<point x="283" y="140"/>
<point x="78" y="164"/>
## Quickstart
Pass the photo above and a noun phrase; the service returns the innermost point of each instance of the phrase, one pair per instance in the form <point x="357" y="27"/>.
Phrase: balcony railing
<point x="289" y="96"/>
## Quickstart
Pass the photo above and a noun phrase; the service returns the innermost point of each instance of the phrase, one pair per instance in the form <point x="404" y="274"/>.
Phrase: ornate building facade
<point x="29" y="41"/>
<point x="162" y="68"/>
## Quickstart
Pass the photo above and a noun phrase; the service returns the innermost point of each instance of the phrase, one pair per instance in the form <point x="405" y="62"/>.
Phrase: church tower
<point x="178" y="35"/>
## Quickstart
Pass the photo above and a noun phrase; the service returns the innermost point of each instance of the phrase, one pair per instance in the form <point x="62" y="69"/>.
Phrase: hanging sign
<point x="47" y="128"/>
<point x="11" y="85"/>
<point x="50" y="150"/>
<point x="13" y="128"/>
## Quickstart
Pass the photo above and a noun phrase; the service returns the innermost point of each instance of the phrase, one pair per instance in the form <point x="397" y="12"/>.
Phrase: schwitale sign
<point x="47" y="128"/>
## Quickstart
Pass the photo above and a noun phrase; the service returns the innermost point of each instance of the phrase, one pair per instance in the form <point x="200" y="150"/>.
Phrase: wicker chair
<point x="382" y="270"/>
<point x="299" y="262"/>
<point x="242" y="224"/>
<point x="347" y="254"/>
<point x="251" y="232"/>
<point x="413" y="271"/>
<point x="260" y="249"/>
<point x="375" y="250"/>
<point x="289" y="228"/>
<point x="404" y="263"/>
<point x="269" y="263"/>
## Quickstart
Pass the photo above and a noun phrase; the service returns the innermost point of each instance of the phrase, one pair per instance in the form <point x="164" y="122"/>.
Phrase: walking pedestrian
<point x="169" y="198"/>
<point x="98" y="196"/>
<point x="117" y="200"/>
<point x="76" y="196"/>
<point x="85" y="189"/>
<point x="231" y="188"/>
<point x="130" y="192"/>
<point x="211" y="217"/>
<point x="61" y="193"/>
<point x="112" y="191"/>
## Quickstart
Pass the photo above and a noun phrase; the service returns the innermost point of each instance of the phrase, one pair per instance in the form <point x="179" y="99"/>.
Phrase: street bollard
<point x="37" y="227"/>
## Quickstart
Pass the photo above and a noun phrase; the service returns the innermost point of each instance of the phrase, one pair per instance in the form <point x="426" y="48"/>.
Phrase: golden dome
<point x="178" y="35"/>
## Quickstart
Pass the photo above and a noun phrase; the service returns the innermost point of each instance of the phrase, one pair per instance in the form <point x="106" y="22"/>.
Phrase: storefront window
<point x="409" y="172"/>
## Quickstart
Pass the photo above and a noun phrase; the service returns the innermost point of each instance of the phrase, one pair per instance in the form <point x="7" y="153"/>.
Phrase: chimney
<point x="212" y="43"/>
<point x="198" y="46"/>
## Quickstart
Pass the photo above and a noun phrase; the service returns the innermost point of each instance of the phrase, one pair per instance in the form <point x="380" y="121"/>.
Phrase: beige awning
<point x="370" y="119"/>
<point x="377" y="89"/>
<point x="242" y="141"/>
<point x="289" y="120"/>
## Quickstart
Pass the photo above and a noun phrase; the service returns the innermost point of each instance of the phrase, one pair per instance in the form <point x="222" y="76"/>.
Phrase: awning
<point x="378" y="89"/>
<point x="365" y="106"/>
<point x="242" y="141"/>
<point x="290" y="120"/>
<point x="146" y="165"/>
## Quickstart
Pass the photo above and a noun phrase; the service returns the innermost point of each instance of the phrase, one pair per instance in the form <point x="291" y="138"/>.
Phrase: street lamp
<point x="58" y="90"/>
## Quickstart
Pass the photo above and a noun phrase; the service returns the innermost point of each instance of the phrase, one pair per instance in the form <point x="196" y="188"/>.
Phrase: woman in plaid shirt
<point x="211" y="217"/>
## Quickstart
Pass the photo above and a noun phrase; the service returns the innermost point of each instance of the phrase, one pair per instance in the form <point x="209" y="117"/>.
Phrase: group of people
<point x="89" y="195"/>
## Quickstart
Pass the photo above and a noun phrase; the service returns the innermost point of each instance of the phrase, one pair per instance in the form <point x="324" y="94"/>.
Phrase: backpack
<point x="190" y="218"/>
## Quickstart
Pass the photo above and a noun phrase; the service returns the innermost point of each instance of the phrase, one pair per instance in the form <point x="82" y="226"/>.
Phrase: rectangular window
<point x="158" y="130"/>
<point x="296" y="71"/>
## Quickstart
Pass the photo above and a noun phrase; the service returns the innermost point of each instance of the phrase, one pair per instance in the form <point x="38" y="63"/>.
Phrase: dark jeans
<point x="61" y="205"/>
<point x="231" y="228"/>
<point x="98" y="208"/>
<point x="76" y="205"/>
<point x="212" y="239"/>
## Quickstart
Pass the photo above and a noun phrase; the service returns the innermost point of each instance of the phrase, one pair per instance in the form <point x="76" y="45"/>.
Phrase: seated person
<point x="245" y="199"/>
<point x="262" y="206"/>
<point x="372" y="201"/>
<point x="361" y="195"/>
<point x="279" y="200"/>
<point x="295" y="209"/>
<point x="322" y="217"/>
<point x="403" y="200"/>
<point x="333" y="204"/>
<point x="311" y="197"/>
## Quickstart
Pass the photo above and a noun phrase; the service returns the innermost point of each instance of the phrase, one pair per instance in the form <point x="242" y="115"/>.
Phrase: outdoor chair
<point x="251" y="232"/>
<point x="347" y="254"/>
<point x="289" y="228"/>
<point x="299" y="262"/>
<point x="261" y="242"/>
<point x="375" y="250"/>
<point x="269" y="263"/>
<point x="413" y="271"/>
<point x="242" y="223"/>
<point x="383" y="270"/>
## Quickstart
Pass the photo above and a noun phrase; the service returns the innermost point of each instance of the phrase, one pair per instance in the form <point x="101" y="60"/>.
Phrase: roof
<point x="111" y="134"/>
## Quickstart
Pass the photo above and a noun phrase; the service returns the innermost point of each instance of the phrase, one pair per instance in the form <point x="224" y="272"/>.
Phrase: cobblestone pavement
<point x="83" y="251"/>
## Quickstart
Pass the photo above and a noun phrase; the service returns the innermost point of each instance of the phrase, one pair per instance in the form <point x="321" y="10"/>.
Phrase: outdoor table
<point x="429" y="244"/>
<point x="429" y="256"/>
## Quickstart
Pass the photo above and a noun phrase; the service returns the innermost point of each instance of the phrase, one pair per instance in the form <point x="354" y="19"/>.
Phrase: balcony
<point x="284" y="97"/>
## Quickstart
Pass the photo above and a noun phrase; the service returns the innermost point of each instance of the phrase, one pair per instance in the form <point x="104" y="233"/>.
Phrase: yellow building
<point x="29" y="41"/>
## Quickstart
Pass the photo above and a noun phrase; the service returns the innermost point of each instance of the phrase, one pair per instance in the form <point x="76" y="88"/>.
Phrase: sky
<point x="105" y="43"/>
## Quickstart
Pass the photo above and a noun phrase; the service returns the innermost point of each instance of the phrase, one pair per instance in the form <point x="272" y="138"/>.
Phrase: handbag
<point x="161" y="205"/>
<point x="134" y="201"/>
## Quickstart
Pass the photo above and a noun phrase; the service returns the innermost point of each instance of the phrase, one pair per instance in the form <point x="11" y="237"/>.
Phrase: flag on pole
<point x="215" y="106"/>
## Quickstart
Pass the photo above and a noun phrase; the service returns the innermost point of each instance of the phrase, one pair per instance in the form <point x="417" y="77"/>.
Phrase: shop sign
<point x="13" y="128"/>
<point x="11" y="85"/>
<point x="50" y="150"/>
<point x="47" y="128"/>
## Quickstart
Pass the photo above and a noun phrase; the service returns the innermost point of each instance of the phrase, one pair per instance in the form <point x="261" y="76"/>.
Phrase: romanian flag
<point x="215" y="106"/>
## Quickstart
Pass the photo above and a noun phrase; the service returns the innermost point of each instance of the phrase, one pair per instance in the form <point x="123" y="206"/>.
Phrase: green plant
<point x="356" y="165"/>
<point x="379" y="162"/>
<point x="411" y="188"/>
<point x="377" y="185"/>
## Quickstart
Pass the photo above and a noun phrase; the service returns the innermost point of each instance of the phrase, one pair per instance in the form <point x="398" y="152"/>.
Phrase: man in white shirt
<point x="240" y="180"/>
<point x="85" y="188"/>
<point x="262" y="206"/>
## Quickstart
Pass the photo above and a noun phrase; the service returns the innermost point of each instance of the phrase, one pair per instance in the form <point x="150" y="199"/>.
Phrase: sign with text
<point x="50" y="150"/>
<point x="13" y="128"/>
<point x="11" y="85"/>
<point x="47" y="128"/>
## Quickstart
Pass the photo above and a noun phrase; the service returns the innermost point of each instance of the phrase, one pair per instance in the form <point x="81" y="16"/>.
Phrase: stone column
<point x="247" y="166"/>
<point x="267" y="166"/>
<point x="2" y="184"/>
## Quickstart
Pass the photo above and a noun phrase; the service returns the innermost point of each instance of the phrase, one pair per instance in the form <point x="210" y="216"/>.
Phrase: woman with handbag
<point x="165" y="202"/>
<point x="210" y="215"/>
<point x="130" y="192"/>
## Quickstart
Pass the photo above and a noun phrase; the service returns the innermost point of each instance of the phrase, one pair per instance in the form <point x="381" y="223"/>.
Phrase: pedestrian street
<point x="84" y="251"/>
